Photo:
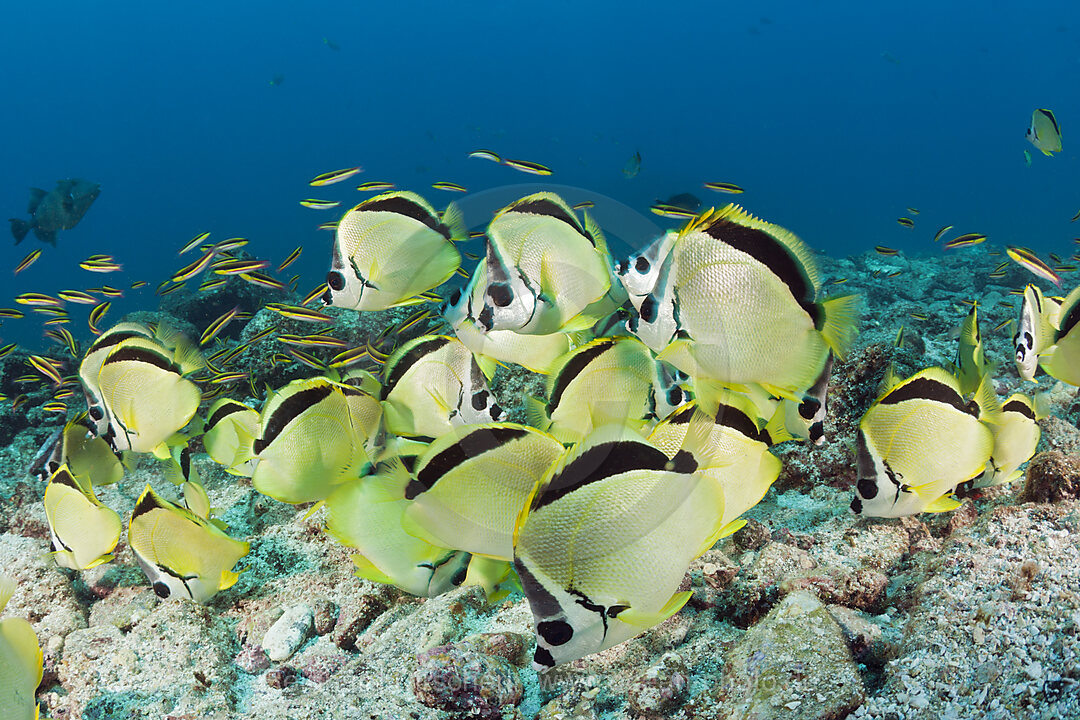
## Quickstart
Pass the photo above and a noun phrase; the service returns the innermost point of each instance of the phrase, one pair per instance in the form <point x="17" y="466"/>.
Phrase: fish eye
<point x="335" y="280"/>
<point x="641" y="265"/>
<point x="162" y="590"/>
<point x="455" y="297"/>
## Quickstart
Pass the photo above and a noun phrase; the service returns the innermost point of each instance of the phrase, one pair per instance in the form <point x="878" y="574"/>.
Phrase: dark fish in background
<point x="632" y="166"/>
<point x="686" y="201"/>
<point x="60" y="209"/>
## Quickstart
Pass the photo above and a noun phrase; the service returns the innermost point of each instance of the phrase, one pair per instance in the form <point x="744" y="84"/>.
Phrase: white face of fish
<point x="639" y="273"/>
<point x="509" y="301"/>
<point x="1026" y="357"/>
<point x="344" y="286"/>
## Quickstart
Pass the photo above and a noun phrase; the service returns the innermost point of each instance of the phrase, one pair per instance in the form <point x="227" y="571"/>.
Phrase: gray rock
<point x="662" y="689"/>
<point x="450" y="678"/>
<point x="289" y="632"/>
<point x="793" y="664"/>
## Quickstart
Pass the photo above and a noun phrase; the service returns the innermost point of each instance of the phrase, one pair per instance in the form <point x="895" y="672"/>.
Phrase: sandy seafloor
<point x="808" y="612"/>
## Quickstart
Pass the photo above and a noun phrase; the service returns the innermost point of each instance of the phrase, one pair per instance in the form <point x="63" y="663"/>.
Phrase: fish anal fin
<point x="945" y="503"/>
<point x="644" y="620"/>
<point x="366" y="569"/>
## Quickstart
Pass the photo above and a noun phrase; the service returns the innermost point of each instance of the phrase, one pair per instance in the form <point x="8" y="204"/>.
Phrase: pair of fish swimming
<point x="670" y="376"/>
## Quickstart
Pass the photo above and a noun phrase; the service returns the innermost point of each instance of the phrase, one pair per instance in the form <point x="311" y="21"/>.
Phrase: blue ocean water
<point x="835" y="117"/>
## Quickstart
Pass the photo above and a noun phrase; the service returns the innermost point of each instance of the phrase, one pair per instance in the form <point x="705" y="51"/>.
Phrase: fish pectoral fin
<point x="536" y="413"/>
<point x="644" y="620"/>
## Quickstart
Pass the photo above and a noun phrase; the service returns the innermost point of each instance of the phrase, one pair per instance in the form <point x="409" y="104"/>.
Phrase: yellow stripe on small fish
<point x="101" y="266"/>
<point x="1075" y="217"/>
<point x="38" y="299"/>
<point x="319" y="204"/>
<point x="27" y="261"/>
<point x="724" y="187"/>
<point x="526" y="166"/>
<point x="316" y="293"/>
<point x="348" y="357"/>
<point x="193" y="269"/>
<point x="46" y="368"/>
<point x="212" y="282"/>
<point x="312" y="341"/>
<point x="77" y="296"/>
<point x="307" y="359"/>
<point x="11" y="313"/>
<point x="375" y="186"/>
<point x="1002" y="324"/>
<point x="1030" y="261"/>
<point x="258" y="278"/>
<point x="913" y="211"/>
<point x="291" y="258"/>
<point x="138" y="284"/>
<point x="194" y="242"/>
<point x="672" y="211"/>
<point x="56" y="406"/>
<point x="238" y="267"/>
<point x="332" y="225"/>
<point x="916" y="316"/>
<point x="895" y="273"/>
<point x="882" y="250"/>
<point x="906" y="222"/>
<point x="47" y="310"/>
<point x="449" y="186"/>
<point x="96" y="314"/>
<point x="486" y="155"/>
<point x="300" y="313"/>
<point x="965" y="240"/>
<point x="230" y="377"/>
<point x="942" y="231"/>
<point x="218" y="325"/>
<point x="335" y="176"/>
<point x="584" y="205"/>
<point x="229" y="244"/>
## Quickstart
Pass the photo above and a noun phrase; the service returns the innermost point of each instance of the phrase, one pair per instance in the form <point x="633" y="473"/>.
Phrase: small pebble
<point x="252" y="660"/>
<point x="451" y="678"/>
<point x="751" y="536"/>
<point x="662" y="689"/>
<point x="326" y="616"/>
<point x="353" y="620"/>
<point x="281" y="677"/>
<point x="289" y="632"/>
